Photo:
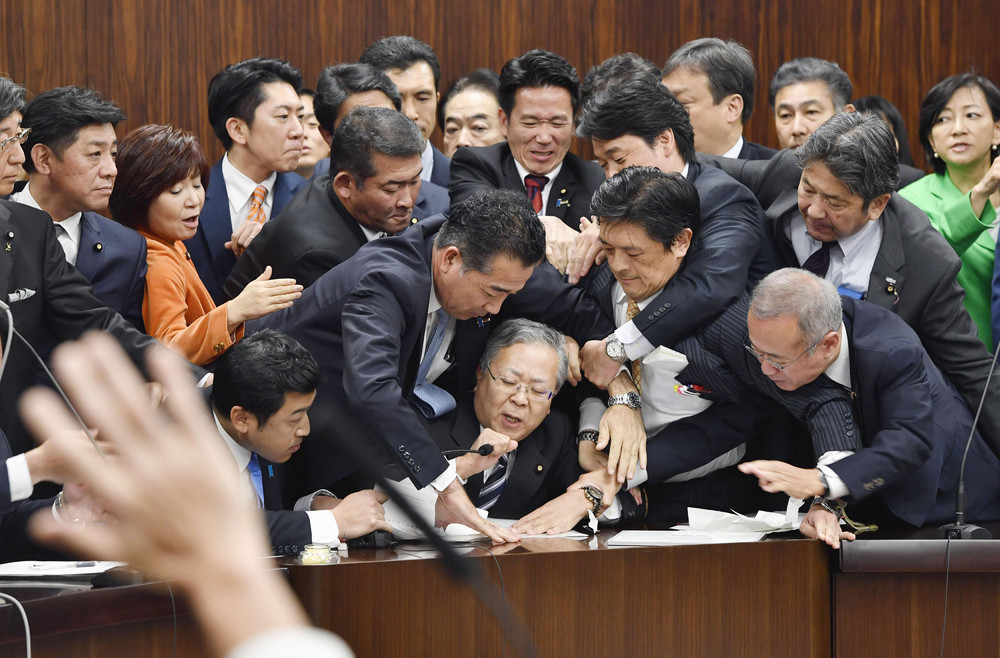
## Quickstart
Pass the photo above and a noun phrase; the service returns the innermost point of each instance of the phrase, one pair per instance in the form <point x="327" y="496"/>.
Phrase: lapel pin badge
<point x="481" y="321"/>
<point x="98" y="246"/>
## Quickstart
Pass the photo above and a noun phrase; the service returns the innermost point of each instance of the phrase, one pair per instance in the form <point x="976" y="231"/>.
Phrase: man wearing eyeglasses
<point x="893" y="452"/>
<point x="533" y="460"/>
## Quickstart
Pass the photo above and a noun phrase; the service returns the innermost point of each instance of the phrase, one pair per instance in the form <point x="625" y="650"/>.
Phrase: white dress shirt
<point x="322" y="524"/>
<point x="851" y="260"/>
<point x="69" y="236"/>
<point x="437" y="368"/>
<point x="19" y="478"/>
<point x="735" y="151"/>
<point x="427" y="160"/>
<point x="522" y="172"/>
<point x="239" y="189"/>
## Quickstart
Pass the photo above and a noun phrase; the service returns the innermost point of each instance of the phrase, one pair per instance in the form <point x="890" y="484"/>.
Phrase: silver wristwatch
<point x="631" y="399"/>
<point x="614" y="349"/>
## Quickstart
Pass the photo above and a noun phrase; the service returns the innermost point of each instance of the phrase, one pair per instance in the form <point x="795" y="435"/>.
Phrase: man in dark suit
<point x="343" y="87"/>
<point x="376" y="179"/>
<point x="254" y="109"/>
<point x="897" y="456"/>
<point x="534" y="457"/>
<point x="260" y="401"/>
<point x="715" y="80"/>
<point x="881" y="247"/>
<point x="389" y="323"/>
<point x="413" y="67"/>
<point x="639" y="122"/>
<point x="539" y="96"/>
<point x="71" y="172"/>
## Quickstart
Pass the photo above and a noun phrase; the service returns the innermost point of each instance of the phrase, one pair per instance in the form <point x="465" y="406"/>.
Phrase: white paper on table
<point x="49" y="569"/>
<point x="681" y="537"/>
<point x="423" y="501"/>
<point x="707" y="520"/>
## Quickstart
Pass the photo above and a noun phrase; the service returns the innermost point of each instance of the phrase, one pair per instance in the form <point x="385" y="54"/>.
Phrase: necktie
<point x="258" y="481"/>
<point x="490" y="492"/>
<point x="534" y="185"/>
<point x="432" y="400"/>
<point x="819" y="261"/>
<point x="631" y="311"/>
<point x="257" y="205"/>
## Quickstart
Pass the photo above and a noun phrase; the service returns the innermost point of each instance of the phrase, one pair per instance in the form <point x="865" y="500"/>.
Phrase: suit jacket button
<point x="10" y="235"/>
<point x="416" y="469"/>
<point x="402" y="448"/>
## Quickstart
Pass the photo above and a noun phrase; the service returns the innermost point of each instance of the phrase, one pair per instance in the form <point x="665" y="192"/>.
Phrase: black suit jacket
<point x="313" y="234"/>
<point x="48" y="297"/>
<point x="731" y="252"/>
<point x="364" y="322"/>
<point x="913" y="276"/>
<point x="492" y="167"/>
<point x="545" y="463"/>
<point x="441" y="172"/>
<point x="751" y="151"/>
<point x="113" y="258"/>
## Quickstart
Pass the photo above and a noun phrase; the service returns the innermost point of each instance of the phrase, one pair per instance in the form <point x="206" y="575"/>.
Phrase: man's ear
<point x="343" y="185"/>
<point x="451" y="258"/>
<point x="503" y="122"/>
<point x="734" y="108"/>
<point x="240" y="418"/>
<point x="237" y="129"/>
<point x="877" y="206"/>
<point x="682" y="243"/>
<point x="41" y="155"/>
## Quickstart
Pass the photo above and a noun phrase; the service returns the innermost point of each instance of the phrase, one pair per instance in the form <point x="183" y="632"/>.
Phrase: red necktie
<point x="534" y="185"/>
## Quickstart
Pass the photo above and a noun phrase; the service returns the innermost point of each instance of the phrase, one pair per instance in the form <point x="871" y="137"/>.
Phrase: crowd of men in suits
<point x="734" y="322"/>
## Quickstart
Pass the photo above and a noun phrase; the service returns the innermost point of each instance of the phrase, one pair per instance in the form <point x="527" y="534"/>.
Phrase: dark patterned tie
<point x="534" y="185"/>
<point x="490" y="492"/>
<point x="819" y="261"/>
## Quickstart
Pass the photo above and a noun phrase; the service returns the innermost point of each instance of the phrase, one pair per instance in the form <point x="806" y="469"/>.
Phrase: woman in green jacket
<point x="960" y="132"/>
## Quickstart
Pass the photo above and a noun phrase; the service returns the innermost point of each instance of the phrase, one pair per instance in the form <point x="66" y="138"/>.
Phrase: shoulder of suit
<point x="110" y="229"/>
<point x="586" y="168"/>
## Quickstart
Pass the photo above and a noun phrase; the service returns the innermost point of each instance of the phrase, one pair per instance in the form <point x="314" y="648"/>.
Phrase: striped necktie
<point x="257" y="205"/>
<point x="493" y="486"/>
<point x="631" y="311"/>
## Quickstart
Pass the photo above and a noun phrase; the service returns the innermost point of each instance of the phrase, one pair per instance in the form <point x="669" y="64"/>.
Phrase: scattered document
<point x="680" y="537"/>
<point x="52" y="569"/>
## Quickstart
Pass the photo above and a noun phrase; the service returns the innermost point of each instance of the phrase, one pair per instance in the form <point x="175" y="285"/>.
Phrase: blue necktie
<point x="432" y="400"/>
<point x="493" y="486"/>
<point x="257" y="479"/>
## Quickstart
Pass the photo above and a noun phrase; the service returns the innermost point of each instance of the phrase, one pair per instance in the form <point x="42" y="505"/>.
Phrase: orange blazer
<point x="177" y="309"/>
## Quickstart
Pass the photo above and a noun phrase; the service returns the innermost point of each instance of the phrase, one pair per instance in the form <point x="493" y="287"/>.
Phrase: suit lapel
<point x="217" y="231"/>
<point x="887" y="280"/>
<point x="563" y="189"/>
<point x="778" y="216"/>
<point x="511" y="179"/>
<point x="6" y="257"/>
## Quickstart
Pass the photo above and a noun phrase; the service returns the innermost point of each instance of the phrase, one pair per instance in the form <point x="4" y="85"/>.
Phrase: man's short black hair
<point x="366" y="131"/>
<point x="258" y="371"/>
<point x="663" y="204"/>
<point x="56" y="117"/>
<point x="236" y="91"/>
<point x="813" y="69"/>
<point x="614" y="70"/>
<point x="727" y="65"/>
<point x="339" y="82"/>
<point x="640" y="106"/>
<point x="492" y="223"/>
<point x="537" y="68"/>
<point x="11" y="97"/>
<point x="401" y="52"/>
<point x="484" y="80"/>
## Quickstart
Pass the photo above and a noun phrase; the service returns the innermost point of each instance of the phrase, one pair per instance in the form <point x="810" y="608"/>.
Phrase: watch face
<point x="633" y="400"/>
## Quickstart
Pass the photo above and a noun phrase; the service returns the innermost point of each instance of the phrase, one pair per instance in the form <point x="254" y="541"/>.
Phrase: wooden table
<point x="575" y="598"/>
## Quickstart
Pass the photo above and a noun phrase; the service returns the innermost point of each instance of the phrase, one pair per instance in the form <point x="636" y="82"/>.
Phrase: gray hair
<point x="813" y="69"/>
<point x="11" y="97"/>
<point x="528" y="332"/>
<point x="791" y="292"/>
<point x="857" y="148"/>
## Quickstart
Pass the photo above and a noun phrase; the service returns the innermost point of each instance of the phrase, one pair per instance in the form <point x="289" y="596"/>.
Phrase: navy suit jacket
<point x="15" y="544"/>
<point x="113" y="258"/>
<point x="545" y="463"/>
<point x="432" y="199"/>
<point x="51" y="301"/>
<point x="914" y="276"/>
<point x="215" y="227"/>
<point x="441" y="172"/>
<point x="288" y="530"/>
<point x="751" y="151"/>
<point x="364" y="322"/>
<point x="730" y="253"/>
<point x="492" y="167"/>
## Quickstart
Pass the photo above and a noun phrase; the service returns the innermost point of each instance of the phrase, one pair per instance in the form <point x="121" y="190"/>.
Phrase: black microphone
<point x="485" y="449"/>
<point x="960" y="529"/>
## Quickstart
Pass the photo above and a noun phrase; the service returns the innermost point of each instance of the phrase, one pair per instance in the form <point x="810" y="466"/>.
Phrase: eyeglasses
<point x="20" y="138"/>
<point x="510" y="387"/>
<point x="778" y="366"/>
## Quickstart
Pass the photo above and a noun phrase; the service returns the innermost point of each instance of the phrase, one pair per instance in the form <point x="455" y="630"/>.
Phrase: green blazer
<point x="951" y="214"/>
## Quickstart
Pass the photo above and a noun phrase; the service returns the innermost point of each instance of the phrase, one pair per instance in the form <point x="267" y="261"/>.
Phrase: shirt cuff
<point x="305" y="503"/>
<point x="323" y="527"/>
<point x="591" y="412"/>
<point x="833" y="482"/>
<point x="635" y="344"/>
<point x="441" y="482"/>
<point x="19" y="478"/>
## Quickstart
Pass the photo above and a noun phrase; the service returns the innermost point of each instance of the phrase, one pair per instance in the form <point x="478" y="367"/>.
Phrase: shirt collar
<point x="735" y="151"/>
<point x="522" y="172"/>
<point x="621" y="298"/>
<point x="71" y="224"/>
<point x="240" y="187"/>
<point x="427" y="160"/>
<point x="853" y="244"/>
<point x="240" y="454"/>
<point x="840" y="370"/>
